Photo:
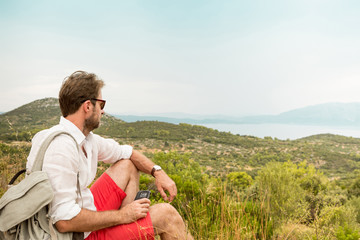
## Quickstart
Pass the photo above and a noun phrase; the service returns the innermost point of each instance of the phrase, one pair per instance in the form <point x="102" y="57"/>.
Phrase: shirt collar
<point x="73" y="130"/>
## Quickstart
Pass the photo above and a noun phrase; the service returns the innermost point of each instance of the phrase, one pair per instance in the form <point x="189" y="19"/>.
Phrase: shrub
<point x="278" y="185"/>
<point x="239" y="180"/>
<point x="347" y="233"/>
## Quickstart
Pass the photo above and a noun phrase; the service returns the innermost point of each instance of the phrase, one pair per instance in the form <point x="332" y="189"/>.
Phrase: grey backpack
<point x="24" y="207"/>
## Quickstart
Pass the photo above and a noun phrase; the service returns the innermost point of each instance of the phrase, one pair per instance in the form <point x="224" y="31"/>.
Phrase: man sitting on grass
<point x="107" y="210"/>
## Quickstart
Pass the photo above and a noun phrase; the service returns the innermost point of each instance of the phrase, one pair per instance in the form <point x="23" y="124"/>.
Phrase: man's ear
<point x="86" y="106"/>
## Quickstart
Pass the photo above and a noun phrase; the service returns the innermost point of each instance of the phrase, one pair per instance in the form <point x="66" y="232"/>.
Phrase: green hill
<point x="219" y="152"/>
<point x="20" y="124"/>
<point x="23" y="122"/>
<point x="229" y="186"/>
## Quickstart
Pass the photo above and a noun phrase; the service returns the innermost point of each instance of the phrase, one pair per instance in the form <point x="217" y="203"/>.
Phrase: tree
<point x="240" y="179"/>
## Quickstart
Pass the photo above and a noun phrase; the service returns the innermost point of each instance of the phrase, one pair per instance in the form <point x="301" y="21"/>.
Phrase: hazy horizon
<point x="233" y="58"/>
<point x="196" y="116"/>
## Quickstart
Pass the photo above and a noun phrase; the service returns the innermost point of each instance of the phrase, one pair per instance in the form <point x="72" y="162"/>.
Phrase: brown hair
<point x="76" y="89"/>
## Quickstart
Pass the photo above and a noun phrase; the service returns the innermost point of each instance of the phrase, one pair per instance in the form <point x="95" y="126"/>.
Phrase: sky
<point x="197" y="57"/>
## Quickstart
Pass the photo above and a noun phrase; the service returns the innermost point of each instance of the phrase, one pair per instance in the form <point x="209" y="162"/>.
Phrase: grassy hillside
<point x="219" y="152"/>
<point x="22" y="123"/>
<point x="229" y="186"/>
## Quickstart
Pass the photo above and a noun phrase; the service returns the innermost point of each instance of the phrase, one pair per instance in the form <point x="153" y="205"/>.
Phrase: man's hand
<point x="88" y="221"/>
<point x="134" y="211"/>
<point x="164" y="182"/>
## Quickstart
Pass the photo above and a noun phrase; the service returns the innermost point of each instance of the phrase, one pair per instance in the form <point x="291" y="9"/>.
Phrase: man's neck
<point x="79" y="123"/>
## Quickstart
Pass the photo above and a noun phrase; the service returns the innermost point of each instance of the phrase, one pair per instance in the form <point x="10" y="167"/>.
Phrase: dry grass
<point x="11" y="163"/>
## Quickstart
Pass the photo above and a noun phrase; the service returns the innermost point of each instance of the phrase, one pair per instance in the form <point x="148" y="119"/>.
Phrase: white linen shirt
<point x="62" y="163"/>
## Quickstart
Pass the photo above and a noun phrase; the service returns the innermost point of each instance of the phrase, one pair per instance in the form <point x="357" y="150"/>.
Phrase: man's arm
<point x="163" y="181"/>
<point x="88" y="221"/>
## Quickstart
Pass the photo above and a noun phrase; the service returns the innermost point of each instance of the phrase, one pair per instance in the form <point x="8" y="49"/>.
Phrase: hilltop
<point x="327" y="114"/>
<point x="24" y="121"/>
<point x="219" y="152"/>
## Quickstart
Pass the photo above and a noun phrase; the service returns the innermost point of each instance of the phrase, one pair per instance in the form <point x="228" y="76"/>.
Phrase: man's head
<point x="78" y="88"/>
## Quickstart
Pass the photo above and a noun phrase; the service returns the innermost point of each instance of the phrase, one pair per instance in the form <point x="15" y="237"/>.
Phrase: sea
<point x="285" y="131"/>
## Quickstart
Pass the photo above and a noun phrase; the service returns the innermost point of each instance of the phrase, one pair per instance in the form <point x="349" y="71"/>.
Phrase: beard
<point x="92" y="122"/>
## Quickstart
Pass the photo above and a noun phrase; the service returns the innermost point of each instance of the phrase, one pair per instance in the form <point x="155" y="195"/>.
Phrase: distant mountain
<point x="325" y="114"/>
<point x="189" y="120"/>
<point x="329" y="114"/>
<point x="44" y="113"/>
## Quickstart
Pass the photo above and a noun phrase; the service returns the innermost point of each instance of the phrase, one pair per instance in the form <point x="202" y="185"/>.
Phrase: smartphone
<point x="142" y="194"/>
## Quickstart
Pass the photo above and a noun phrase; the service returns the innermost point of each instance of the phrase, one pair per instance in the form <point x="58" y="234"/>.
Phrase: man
<point x="107" y="210"/>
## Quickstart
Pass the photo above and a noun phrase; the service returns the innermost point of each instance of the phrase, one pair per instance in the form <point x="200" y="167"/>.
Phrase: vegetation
<point x="284" y="201"/>
<point x="229" y="186"/>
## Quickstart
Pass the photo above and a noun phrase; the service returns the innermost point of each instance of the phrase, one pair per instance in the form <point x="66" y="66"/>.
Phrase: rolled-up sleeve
<point x="110" y="151"/>
<point x="61" y="162"/>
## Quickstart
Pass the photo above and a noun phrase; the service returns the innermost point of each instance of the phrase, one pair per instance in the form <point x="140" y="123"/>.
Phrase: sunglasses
<point x="102" y="102"/>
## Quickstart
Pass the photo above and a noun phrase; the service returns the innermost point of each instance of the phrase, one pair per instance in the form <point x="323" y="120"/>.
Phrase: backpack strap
<point x="16" y="176"/>
<point x="39" y="159"/>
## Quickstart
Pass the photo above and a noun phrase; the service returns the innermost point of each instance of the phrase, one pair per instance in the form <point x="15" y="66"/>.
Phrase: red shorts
<point x="108" y="196"/>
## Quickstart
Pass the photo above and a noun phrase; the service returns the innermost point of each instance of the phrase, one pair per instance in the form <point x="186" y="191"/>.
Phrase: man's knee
<point x="123" y="172"/>
<point x="164" y="213"/>
<point x="165" y="208"/>
<point x="167" y="222"/>
<point x="124" y="165"/>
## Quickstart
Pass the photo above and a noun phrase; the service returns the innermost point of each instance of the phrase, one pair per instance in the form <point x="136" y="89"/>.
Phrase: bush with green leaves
<point x="354" y="189"/>
<point x="335" y="221"/>
<point x="278" y="184"/>
<point x="355" y="204"/>
<point x="239" y="180"/>
<point x="210" y="211"/>
<point x="347" y="233"/>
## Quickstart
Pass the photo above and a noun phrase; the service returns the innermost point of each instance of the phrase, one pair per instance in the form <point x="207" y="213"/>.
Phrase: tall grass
<point x="285" y="201"/>
<point x="219" y="214"/>
<point x="12" y="159"/>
